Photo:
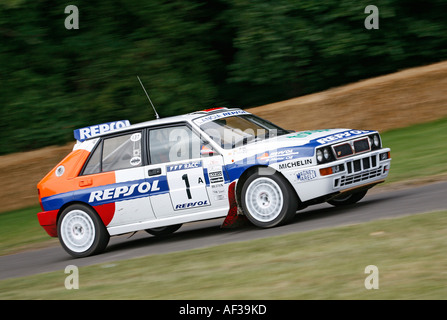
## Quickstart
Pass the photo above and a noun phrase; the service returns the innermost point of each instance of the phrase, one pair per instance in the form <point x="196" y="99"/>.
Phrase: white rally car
<point x="219" y="162"/>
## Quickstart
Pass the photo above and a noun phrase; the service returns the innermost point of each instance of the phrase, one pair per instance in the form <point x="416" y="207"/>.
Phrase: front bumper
<point x="357" y="172"/>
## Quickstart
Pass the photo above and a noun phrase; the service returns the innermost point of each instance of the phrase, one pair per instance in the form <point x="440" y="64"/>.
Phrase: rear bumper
<point x="48" y="221"/>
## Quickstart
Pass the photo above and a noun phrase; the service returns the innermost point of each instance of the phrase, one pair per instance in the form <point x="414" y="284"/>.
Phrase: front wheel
<point x="81" y="231"/>
<point x="344" y="200"/>
<point x="267" y="200"/>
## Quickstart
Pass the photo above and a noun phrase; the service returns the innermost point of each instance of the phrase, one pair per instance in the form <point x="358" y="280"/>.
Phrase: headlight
<point x="376" y="141"/>
<point x="319" y="155"/>
<point x="326" y="154"/>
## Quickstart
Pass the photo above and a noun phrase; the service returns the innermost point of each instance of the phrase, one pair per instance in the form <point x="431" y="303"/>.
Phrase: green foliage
<point x="191" y="55"/>
<point x="306" y="46"/>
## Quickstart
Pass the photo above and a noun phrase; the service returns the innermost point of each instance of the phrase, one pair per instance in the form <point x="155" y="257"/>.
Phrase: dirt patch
<point x="20" y="173"/>
<point x="393" y="101"/>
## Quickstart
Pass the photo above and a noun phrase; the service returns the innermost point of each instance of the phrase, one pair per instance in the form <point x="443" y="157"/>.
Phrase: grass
<point x="20" y="230"/>
<point x="324" y="264"/>
<point x="417" y="151"/>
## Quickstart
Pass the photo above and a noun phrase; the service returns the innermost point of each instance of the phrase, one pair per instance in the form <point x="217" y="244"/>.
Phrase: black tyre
<point x="268" y="200"/>
<point x="163" y="231"/>
<point x="344" y="200"/>
<point x="81" y="231"/>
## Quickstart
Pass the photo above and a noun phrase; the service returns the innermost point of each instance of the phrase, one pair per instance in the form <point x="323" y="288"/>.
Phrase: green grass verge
<point x="417" y="151"/>
<point x="20" y="230"/>
<point x="409" y="253"/>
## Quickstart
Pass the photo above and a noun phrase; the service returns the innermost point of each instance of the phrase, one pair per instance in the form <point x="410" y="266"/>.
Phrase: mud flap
<point x="234" y="219"/>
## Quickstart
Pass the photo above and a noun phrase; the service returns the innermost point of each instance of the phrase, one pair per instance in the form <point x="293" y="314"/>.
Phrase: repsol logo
<point x="88" y="132"/>
<point x="191" y="204"/>
<point x="124" y="191"/>
<point x="341" y="135"/>
<point x="298" y="163"/>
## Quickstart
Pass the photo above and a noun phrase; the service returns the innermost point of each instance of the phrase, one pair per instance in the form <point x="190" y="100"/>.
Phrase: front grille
<point x="361" y="170"/>
<point x="361" y="145"/>
<point x="343" y="150"/>
<point x="359" y="177"/>
<point x="352" y="147"/>
<point x="354" y="166"/>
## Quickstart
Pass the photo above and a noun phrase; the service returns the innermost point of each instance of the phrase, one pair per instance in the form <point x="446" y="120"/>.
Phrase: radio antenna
<point x="156" y="114"/>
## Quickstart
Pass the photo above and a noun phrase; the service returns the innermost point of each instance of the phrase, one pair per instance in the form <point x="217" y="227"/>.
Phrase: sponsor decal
<point x="216" y="177"/>
<point x="136" y="137"/>
<point x="191" y="204"/>
<point x="88" y="132"/>
<point x="125" y="191"/>
<point x="213" y="117"/>
<point x="218" y="188"/>
<point x="135" y="161"/>
<point x="306" y="175"/>
<point x="305" y="134"/>
<point x="294" y="164"/>
<point x="341" y="135"/>
<point x="184" y="166"/>
<point x="281" y="155"/>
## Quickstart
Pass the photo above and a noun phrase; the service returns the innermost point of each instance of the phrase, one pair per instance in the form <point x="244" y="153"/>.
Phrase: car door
<point x="113" y="180"/>
<point x="182" y="161"/>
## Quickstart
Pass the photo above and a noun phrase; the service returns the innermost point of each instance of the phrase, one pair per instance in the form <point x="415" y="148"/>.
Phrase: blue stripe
<point x="56" y="201"/>
<point x="109" y="193"/>
<point x="235" y="169"/>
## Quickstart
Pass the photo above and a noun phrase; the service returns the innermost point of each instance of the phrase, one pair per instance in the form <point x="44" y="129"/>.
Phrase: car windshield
<point x="235" y="131"/>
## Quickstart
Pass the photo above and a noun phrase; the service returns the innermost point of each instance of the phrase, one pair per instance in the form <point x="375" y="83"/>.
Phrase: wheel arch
<point x="249" y="171"/>
<point x="68" y="204"/>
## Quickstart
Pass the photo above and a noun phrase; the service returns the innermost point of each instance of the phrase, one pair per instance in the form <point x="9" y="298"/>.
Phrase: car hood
<point x="294" y="145"/>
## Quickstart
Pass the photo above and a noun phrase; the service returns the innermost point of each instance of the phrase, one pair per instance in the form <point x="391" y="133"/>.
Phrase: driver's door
<point x="176" y="156"/>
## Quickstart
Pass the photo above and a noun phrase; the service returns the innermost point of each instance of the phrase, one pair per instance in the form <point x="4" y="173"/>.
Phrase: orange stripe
<point x="69" y="181"/>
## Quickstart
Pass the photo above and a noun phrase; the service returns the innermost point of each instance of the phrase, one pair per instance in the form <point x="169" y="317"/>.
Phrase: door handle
<point x="85" y="182"/>
<point x="154" y="172"/>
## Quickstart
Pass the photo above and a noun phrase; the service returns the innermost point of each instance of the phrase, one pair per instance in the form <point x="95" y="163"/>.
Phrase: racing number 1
<point x="189" y="176"/>
<point x="188" y="187"/>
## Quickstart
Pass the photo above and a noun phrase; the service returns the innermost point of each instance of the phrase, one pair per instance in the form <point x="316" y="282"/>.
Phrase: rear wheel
<point x="346" y="199"/>
<point x="81" y="231"/>
<point x="163" y="231"/>
<point x="267" y="200"/>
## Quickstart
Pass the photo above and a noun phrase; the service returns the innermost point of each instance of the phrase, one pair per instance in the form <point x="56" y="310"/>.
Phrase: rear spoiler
<point x="83" y="134"/>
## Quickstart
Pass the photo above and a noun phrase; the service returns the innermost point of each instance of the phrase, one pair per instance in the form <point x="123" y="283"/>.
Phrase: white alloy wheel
<point x="268" y="200"/>
<point x="77" y="231"/>
<point x="264" y="199"/>
<point x="81" y="231"/>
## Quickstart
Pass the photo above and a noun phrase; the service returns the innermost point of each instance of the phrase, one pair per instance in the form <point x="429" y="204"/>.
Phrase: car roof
<point x="163" y="121"/>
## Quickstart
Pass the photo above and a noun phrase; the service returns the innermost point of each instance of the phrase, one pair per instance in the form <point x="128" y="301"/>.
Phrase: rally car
<point x="220" y="162"/>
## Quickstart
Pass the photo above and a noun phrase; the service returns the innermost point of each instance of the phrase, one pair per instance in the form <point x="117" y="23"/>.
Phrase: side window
<point x="176" y="143"/>
<point x="120" y="152"/>
<point x="94" y="163"/>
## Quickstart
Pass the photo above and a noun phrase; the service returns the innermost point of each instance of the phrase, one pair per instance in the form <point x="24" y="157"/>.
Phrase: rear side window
<point x="94" y="163"/>
<point x="120" y="152"/>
